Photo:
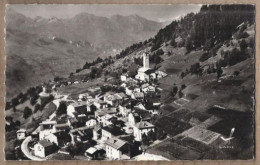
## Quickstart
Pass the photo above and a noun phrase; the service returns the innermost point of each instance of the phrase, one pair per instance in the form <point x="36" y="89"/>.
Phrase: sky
<point x="160" y="13"/>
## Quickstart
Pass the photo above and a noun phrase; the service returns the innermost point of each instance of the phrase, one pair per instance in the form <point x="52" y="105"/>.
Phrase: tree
<point x="183" y="86"/>
<point x="36" y="108"/>
<point x="219" y="72"/>
<point x="62" y="109"/>
<point x="243" y="45"/>
<point x="7" y="105"/>
<point x="180" y="94"/>
<point x="174" y="90"/>
<point x="34" y="99"/>
<point x="173" y="43"/>
<point x="27" y="112"/>
<point x="15" y="102"/>
<point x="188" y="44"/>
<point x="151" y="135"/>
<point x="145" y="140"/>
<point x="182" y="75"/>
<point x="195" y="68"/>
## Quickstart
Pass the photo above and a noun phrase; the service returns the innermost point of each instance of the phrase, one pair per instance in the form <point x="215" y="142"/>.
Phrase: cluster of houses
<point x="117" y="121"/>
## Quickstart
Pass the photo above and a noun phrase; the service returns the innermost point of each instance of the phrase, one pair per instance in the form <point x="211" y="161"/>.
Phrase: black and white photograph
<point x="132" y="82"/>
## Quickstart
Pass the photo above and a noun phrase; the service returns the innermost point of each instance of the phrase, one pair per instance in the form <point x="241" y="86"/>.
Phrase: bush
<point x="195" y="68"/>
<point x="243" y="45"/>
<point x="27" y="112"/>
<point x="15" y="102"/>
<point x="36" y="108"/>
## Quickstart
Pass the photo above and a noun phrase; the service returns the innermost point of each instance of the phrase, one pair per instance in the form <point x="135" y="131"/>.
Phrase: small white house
<point x="91" y="122"/>
<point x="137" y="95"/>
<point x="124" y="77"/>
<point x="43" y="148"/>
<point x="21" y="134"/>
<point x="129" y="90"/>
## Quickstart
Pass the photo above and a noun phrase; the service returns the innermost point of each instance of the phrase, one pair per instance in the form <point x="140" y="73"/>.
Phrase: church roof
<point x="142" y="69"/>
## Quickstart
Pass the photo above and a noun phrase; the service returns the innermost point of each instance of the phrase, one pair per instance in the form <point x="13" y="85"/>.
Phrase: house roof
<point x="21" y="130"/>
<point x="45" y="143"/>
<point x="138" y="95"/>
<point x="90" y="119"/>
<point x="142" y="69"/>
<point x="60" y="134"/>
<point x="100" y="101"/>
<point x="62" y="126"/>
<point x="120" y="95"/>
<point x="79" y="104"/>
<point x="144" y="125"/>
<point x="91" y="150"/>
<point x="113" y="130"/>
<point x="115" y="143"/>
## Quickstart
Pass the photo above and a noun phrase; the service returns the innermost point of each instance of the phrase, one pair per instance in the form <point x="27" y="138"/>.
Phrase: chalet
<point x="142" y="127"/>
<point x="94" y="153"/>
<point x="104" y="115"/>
<point x="129" y="90"/>
<point x="43" y="148"/>
<point x="100" y="104"/>
<point x="117" y="149"/>
<point x="46" y="128"/>
<point x="91" y="122"/>
<point x="148" y="89"/>
<point x="124" y="77"/>
<point x="21" y="134"/>
<point x="77" y="108"/>
<point x="137" y="90"/>
<point x="111" y="99"/>
<point x="137" y="116"/>
<point x="59" y="138"/>
<point x="137" y="95"/>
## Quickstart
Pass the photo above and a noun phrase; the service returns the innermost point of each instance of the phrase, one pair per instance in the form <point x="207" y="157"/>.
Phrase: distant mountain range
<point x="39" y="49"/>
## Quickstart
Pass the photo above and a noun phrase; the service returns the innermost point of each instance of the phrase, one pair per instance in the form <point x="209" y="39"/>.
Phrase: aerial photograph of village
<point x="129" y="82"/>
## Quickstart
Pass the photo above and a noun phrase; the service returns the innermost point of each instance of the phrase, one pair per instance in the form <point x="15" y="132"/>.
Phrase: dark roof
<point x="45" y="143"/>
<point x="116" y="131"/>
<point x="60" y="134"/>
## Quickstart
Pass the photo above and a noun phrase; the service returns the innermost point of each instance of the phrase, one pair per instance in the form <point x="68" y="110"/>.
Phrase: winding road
<point x="24" y="145"/>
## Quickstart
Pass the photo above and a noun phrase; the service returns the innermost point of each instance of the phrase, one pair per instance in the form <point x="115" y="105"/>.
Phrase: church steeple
<point x="146" y="59"/>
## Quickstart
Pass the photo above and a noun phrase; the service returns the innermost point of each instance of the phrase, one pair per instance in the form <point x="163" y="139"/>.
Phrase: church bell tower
<point x="146" y="60"/>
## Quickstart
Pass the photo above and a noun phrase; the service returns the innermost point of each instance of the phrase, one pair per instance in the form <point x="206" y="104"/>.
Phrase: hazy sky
<point x="152" y="12"/>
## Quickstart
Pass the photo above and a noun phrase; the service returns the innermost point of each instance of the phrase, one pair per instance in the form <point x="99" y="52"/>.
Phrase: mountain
<point x="42" y="48"/>
<point x="209" y="58"/>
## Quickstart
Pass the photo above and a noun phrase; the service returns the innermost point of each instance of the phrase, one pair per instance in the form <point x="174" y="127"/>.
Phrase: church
<point x="144" y="72"/>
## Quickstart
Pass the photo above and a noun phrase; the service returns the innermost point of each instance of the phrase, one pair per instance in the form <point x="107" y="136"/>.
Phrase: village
<point x="116" y="125"/>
